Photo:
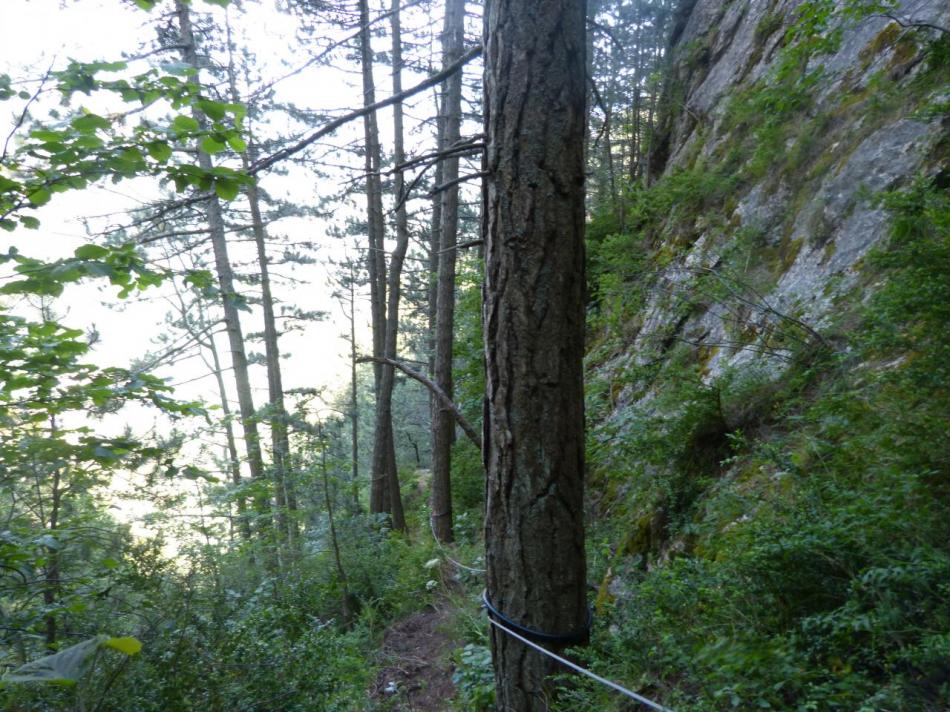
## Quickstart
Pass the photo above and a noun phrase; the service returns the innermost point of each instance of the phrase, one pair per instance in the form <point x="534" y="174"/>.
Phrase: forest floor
<point x="417" y="672"/>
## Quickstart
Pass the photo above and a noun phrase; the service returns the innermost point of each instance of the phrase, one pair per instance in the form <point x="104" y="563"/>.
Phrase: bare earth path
<point x="416" y="664"/>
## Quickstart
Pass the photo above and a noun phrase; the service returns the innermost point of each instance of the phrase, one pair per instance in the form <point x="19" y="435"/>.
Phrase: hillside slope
<point x="767" y="374"/>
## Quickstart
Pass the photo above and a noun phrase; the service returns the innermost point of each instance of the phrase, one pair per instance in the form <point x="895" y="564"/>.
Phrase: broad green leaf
<point x="226" y="189"/>
<point x="159" y="150"/>
<point x="239" y="111"/>
<point x="209" y="144"/>
<point x="67" y="666"/>
<point x="185" y="124"/>
<point x="127" y="645"/>
<point x="213" y="109"/>
<point x="200" y="279"/>
<point x="90" y="123"/>
<point x="29" y="222"/>
<point x="90" y="252"/>
<point x="46" y="135"/>
<point x="89" y="141"/>
<point x="237" y="144"/>
<point x="130" y="159"/>
<point x="40" y="196"/>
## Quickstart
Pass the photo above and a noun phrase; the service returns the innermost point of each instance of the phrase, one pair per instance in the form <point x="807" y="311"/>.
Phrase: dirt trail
<point x="417" y="672"/>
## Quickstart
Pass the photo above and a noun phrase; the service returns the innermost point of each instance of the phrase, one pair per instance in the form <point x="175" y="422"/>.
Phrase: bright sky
<point x="35" y="34"/>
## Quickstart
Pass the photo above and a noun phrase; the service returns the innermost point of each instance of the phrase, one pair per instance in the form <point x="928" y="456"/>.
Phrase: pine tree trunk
<point x="435" y="241"/>
<point x="379" y="501"/>
<point x="278" y="413"/>
<point x="534" y="332"/>
<point x="228" y="293"/>
<point x="443" y="421"/>
<point x="234" y="464"/>
<point x="395" y="275"/>
<point x="354" y="401"/>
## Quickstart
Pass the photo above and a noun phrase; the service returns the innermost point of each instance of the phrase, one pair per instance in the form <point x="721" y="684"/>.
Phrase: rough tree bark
<point x="443" y="422"/>
<point x="534" y="332"/>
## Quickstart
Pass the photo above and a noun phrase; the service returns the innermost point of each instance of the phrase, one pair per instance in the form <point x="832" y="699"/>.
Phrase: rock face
<point x="782" y="121"/>
<point x="808" y="210"/>
<point x="767" y="378"/>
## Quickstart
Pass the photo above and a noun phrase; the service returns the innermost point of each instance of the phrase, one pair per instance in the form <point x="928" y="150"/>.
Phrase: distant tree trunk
<point x="226" y="286"/>
<point x="534" y="332"/>
<point x="234" y="464"/>
<point x="435" y="240"/>
<point x="354" y="400"/>
<point x="376" y="266"/>
<point x="347" y="598"/>
<point x="443" y="422"/>
<point x="384" y="412"/>
<point x="51" y="571"/>
<point x="280" y="441"/>
<point x="203" y="335"/>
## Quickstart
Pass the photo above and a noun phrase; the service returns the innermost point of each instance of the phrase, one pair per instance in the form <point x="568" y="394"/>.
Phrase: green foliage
<point x="468" y="475"/>
<point x="809" y="569"/>
<point x="474" y="679"/>
<point x="72" y="153"/>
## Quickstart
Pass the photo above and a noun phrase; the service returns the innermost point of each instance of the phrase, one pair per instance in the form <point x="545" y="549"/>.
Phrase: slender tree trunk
<point x="435" y="240"/>
<point x="534" y="333"/>
<point x="354" y="400"/>
<point x="384" y="415"/>
<point x="277" y="418"/>
<point x="51" y="578"/>
<point x="204" y="337"/>
<point x="229" y="296"/>
<point x="443" y="422"/>
<point x="234" y="464"/>
<point x="347" y="600"/>
<point x="376" y="266"/>
<point x="278" y="412"/>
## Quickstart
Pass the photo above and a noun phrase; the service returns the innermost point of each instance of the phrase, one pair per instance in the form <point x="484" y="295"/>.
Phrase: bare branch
<point x="461" y="179"/>
<point x="443" y="399"/>
<point x="329" y="128"/>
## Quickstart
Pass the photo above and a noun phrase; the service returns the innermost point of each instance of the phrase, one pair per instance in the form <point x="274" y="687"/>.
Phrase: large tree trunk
<point x="443" y="422"/>
<point x="229" y="295"/>
<point x="534" y="332"/>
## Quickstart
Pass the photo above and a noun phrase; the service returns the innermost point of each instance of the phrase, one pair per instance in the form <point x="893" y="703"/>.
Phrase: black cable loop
<point x="577" y="637"/>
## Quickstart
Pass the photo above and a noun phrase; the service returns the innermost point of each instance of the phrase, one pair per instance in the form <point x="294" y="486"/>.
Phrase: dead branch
<point x="444" y="400"/>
